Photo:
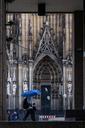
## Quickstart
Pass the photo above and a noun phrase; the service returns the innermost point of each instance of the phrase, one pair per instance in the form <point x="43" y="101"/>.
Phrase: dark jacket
<point x="25" y="104"/>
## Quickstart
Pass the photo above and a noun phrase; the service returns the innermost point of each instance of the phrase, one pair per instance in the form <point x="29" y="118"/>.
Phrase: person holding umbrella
<point x="30" y="109"/>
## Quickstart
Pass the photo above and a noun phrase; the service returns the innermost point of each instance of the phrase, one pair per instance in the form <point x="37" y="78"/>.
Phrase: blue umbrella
<point x="31" y="93"/>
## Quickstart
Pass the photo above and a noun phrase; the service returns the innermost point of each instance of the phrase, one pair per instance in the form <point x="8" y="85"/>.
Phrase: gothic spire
<point x="46" y="45"/>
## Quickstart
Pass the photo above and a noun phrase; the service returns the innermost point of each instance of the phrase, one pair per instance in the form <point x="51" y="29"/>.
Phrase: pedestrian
<point x="28" y="111"/>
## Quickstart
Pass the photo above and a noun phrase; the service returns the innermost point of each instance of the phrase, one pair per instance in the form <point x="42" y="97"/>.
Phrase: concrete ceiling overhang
<point x="51" y="5"/>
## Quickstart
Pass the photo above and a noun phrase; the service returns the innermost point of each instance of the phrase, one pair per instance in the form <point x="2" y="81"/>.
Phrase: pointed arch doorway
<point x="47" y="76"/>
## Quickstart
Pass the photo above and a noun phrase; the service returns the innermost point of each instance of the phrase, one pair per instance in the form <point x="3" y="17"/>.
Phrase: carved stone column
<point x="30" y="47"/>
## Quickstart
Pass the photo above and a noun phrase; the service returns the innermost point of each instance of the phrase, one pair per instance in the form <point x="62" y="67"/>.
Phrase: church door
<point x="45" y="98"/>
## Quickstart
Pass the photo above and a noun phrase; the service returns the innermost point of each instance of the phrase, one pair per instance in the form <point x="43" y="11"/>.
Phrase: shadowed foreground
<point x="59" y="124"/>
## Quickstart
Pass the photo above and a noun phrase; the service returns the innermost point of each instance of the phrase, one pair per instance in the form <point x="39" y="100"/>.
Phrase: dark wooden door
<point x="45" y="98"/>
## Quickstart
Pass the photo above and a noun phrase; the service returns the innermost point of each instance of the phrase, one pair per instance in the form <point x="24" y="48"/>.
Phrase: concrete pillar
<point x="78" y="61"/>
<point x="83" y="62"/>
<point x="84" y="82"/>
<point x="2" y="62"/>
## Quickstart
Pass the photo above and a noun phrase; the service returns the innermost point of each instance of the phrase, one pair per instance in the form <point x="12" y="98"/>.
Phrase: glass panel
<point x="40" y="53"/>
